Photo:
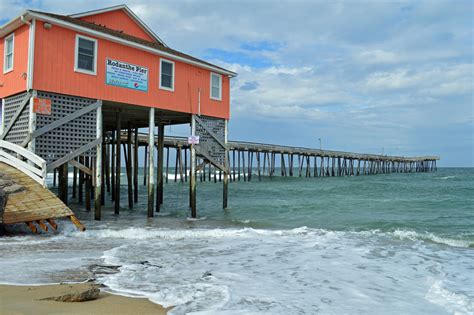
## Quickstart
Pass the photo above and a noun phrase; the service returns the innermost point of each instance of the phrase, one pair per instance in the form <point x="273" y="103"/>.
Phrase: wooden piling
<point x="118" y="161"/>
<point x="98" y="166"/>
<point x="192" y="175"/>
<point x="225" y="188"/>
<point x="151" y="177"/>
<point x="129" y="166"/>
<point x="135" y="166"/>
<point x="159" y="170"/>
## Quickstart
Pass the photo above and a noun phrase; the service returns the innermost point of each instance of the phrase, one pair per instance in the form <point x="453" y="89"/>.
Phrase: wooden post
<point x="145" y="169"/>
<point x="81" y="182"/>
<point x="225" y="190"/>
<point x="167" y="163"/>
<point x="258" y="166"/>
<point x="151" y="149"/>
<point x="135" y="166"/>
<point x="63" y="183"/>
<point x="113" y="159"/>
<point x="176" y="165"/>
<point x="238" y="165"/>
<point x="233" y="165"/>
<point x="185" y="165"/>
<point x="243" y="165"/>
<point x="74" y="183"/>
<point x="103" y="168"/>
<point x="55" y="175"/>
<point x="129" y="166"/>
<point x="118" y="161"/>
<point x="98" y="166"/>
<point x="159" y="172"/>
<point x="107" y="166"/>
<point x="192" y="175"/>
<point x="88" y="184"/>
<point x="180" y="156"/>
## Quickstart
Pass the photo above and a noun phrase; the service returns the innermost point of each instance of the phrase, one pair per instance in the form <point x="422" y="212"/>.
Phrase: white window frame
<point x="76" y="55"/>
<point x="5" y="69"/>
<point x="220" y="86"/>
<point x="172" y="75"/>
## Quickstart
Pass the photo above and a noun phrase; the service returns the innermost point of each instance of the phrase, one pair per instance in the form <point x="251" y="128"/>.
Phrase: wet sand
<point x="27" y="300"/>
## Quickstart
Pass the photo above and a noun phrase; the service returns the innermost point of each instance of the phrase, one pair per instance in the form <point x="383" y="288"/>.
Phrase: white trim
<point x="122" y="41"/>
<point x="76" y="54"/>
<point x="2" y="124"/>
<point x="220" y="87"/>
<point x="172" y="75"/>
<point x="128" y="11"/>
<point x="32" y="122"/>
<point x="12" y="36"/>
<point x="31" y="55"/>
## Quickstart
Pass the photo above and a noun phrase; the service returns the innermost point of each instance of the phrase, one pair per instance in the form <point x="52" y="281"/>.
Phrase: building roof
<point x="98" y="30"/>
<point x="129" y="12"/>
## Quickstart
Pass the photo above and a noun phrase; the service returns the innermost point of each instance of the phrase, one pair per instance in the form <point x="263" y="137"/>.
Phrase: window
<point x="216" y="86"/>
<point x="166" y="75"/>
<point x="9" y="51"/>
<point x="86" y="55"/>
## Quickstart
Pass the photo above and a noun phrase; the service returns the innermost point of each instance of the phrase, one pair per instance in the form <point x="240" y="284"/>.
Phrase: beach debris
<point x="75" y="293"/>
<point x="99" y="270"/>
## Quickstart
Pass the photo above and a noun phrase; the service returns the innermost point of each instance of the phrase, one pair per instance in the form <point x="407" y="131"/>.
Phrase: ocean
<point x="382" y="244"/>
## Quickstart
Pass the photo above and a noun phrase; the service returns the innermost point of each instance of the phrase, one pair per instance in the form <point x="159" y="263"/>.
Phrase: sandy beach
<point x="28" y="300"/>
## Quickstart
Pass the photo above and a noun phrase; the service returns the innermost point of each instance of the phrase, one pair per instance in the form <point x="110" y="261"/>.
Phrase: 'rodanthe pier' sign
<point x="126" y="75"/>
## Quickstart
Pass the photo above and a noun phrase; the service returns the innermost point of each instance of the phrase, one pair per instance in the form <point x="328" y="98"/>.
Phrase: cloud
<point x="359" y="75"/>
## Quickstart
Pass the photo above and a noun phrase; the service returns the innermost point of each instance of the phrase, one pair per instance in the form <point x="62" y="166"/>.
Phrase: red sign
<point x="42" y="106"/>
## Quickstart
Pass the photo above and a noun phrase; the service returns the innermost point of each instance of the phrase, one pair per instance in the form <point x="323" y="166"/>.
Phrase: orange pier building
<point x="70" y="84"/>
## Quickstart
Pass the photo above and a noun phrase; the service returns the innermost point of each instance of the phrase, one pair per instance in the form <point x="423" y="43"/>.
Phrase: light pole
<point x="382" y="150"/>
<point x="320" y="146"/>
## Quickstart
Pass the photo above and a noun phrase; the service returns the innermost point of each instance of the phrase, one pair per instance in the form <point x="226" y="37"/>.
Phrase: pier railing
<point x="23" y="160"/>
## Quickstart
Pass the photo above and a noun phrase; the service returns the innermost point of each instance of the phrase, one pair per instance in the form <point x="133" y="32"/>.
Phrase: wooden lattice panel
<point x="19" y="130"/>
<point x="71" y="136"/>
<point x="208" y="142"/>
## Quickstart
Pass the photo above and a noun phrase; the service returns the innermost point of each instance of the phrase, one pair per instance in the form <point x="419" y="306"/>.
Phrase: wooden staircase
<point x="35" y="205"/>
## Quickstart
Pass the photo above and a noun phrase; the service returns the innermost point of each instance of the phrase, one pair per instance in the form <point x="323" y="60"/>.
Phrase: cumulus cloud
<point x="359" y="75"/>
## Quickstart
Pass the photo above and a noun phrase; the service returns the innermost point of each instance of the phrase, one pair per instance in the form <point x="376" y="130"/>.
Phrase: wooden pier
<point x="250" y="158"/>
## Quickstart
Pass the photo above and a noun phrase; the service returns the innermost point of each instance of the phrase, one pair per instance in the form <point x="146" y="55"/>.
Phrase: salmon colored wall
<point x="13" y="82"/>
<point x="120" y="21"/>
<point x="54" y="72"/>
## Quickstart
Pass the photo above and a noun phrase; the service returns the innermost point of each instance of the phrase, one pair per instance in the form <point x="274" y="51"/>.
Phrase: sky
<point x="362" y="76"/>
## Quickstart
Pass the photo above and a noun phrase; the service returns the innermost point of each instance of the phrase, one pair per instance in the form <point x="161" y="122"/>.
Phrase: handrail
<point x="34" y="166"/>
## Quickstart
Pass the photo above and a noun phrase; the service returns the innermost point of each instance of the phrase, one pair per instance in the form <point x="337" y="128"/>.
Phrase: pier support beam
<point x="227" y="171"/>
<point x="159" y="174"/>
<point x="118" y="162"/>
<point x="135" y="165"/>
<point x="98" y="167"/>
<point x="192" y="173"/>
<point x="63" y="183"/>
<point x="151" y="166"/>
<point x="129" y="166"/>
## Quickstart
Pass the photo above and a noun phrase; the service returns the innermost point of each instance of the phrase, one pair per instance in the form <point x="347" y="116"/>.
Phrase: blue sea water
<point x="391" y="244"/>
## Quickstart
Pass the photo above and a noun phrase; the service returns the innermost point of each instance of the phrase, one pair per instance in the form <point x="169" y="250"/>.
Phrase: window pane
<point x="215" y="92"/>
<point x="9" y="45"/>
<point x="85" y="62"/>
<point x="9" y="62"/>
<point x="166" y="81"/>
<point x="215" y="81"/>
<point x="166" y="68"/>
<point x="86" y="47"/>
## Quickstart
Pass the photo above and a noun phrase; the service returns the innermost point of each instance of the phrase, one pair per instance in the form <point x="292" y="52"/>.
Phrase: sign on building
<point x="126" y="75"/>
<point x="193" y="140"/>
